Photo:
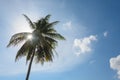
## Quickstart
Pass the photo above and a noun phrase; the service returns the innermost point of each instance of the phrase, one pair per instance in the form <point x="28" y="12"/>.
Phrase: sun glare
<point x="29" y="37"/>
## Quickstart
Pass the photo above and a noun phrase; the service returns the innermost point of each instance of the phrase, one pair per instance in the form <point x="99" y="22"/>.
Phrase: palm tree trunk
<point x="29" y="68"/>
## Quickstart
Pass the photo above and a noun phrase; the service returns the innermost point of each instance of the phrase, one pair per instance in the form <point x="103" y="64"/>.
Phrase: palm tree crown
<point x="43" y="41"/>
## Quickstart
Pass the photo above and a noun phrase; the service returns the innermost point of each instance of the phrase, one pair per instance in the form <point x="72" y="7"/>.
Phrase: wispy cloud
<point x="92" y="61"/>
<point x="67" y="25"/>
<point x="105" y="34"/>
<point x="115" y="64"/>
<point x="83" y="45"/>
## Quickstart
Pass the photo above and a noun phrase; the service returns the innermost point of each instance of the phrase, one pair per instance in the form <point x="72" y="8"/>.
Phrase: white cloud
<point x="67" y="25"/>
<point x="115" y="64"/>
<point x="83" y="45"/>
<point x="105" y="34"/>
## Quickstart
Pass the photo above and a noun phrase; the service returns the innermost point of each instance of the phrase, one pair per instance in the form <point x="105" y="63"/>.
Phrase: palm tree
<point x="41" y="43"/>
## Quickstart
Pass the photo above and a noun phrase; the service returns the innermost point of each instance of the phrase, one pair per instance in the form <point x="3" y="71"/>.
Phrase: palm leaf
<point x="49" y="26"/>
<point x="55" y="36"/>
<point x="52" y="24"/>
<point x="39" y="55"/>
<point x="29" y="54"/>
<point x="17" y="38"/>
<point x="51" y="30"/>
<point x="47" y="17"/>
<point x="29" y="21"/>
<point x="23" y="50"/>
<point x="52" y="42"/>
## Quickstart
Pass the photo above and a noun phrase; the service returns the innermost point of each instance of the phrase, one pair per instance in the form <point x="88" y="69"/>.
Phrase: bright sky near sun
<point x="91" y="28"/>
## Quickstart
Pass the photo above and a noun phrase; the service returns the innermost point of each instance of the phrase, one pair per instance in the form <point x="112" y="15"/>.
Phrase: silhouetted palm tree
<point x="42" y="43"/>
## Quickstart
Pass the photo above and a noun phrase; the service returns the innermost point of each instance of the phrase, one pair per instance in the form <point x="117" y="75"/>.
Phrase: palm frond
<point x="51" y="30"/>
<point x="47" y="17"/>
<point x="29" y="21"/>
<point x="49" y="26"/>
<point x="51" y="42"/>
<point x="45" y="50"/>
<point x="52" y="24"/>
<point x="23" y="50"/>
<point x="29" y="54"/>
<point x="55" y="36"/>
<point x="44" y="54"/>
<point x="17" y="38"/>
<point x="40" y="24"/>
<point x="48" y="54"/>
<point x="39" y="55"/>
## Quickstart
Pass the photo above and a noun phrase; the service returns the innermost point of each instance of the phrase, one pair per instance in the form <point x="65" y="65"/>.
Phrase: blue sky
<point x="91" y="27"/>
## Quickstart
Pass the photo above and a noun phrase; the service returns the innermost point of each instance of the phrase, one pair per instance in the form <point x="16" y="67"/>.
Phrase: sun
<point x="29" y="37"/>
